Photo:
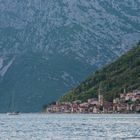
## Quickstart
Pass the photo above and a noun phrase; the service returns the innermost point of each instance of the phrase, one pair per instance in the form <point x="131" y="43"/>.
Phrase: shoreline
<point x="92" y="113"/>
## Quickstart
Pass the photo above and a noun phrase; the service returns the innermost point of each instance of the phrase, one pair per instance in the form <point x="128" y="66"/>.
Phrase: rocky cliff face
<point x="47" y="46"/>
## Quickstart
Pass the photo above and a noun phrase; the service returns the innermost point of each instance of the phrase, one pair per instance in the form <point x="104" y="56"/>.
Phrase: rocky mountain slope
<point x="48" y="46"/>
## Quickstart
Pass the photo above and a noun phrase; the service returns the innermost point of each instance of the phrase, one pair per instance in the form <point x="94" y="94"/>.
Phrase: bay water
<point x="70" y="127"/>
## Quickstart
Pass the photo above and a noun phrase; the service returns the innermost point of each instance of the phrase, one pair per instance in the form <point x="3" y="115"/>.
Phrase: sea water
<point x="70" y="127"/>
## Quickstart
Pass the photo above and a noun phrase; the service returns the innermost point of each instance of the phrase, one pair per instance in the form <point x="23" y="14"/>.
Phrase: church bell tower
<point x="100" y="96"/>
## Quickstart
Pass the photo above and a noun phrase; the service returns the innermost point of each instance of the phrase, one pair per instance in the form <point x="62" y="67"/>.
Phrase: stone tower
<point x="100" y="97"/>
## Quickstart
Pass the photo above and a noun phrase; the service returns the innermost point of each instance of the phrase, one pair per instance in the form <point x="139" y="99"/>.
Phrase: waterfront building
<point x="128" y="102"/>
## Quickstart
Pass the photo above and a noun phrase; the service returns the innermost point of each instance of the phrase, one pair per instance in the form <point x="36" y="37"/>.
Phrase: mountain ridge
<point x="113" y="79"/>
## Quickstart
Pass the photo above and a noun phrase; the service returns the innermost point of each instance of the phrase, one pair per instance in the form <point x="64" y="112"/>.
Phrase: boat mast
<point x="12" y="101"/>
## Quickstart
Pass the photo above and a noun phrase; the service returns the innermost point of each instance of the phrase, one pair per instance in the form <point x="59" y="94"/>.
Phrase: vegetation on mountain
<point x="122" y="74"/>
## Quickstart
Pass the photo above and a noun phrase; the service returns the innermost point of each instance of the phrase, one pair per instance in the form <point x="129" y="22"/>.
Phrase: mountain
<point x="112" y="79"/>
<point x="49" y="46"/>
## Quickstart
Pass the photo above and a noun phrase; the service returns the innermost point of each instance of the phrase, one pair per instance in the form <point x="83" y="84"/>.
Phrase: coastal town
<point x="127" y="103"/>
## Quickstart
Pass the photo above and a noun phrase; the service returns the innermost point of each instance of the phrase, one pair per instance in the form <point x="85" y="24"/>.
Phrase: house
<point x="54" y="108"/>
<point x="83" y="107"/>
<point x="93" y="101"/>
<point x="135" y="107"/>
<point x="74" y="108"/>
<point x="116" y="101"/>
<point x="107" y="107"/>
<point x="65" y="108"/>
<point x="96" y="109"/>
<point x="121" y="107"/>
<point x="77" y="102"/>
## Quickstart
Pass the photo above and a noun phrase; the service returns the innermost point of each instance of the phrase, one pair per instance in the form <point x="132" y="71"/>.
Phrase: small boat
<point x="13" y="113"/>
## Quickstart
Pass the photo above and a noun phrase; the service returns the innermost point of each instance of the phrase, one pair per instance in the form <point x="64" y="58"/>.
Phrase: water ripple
<point x="69" y="127"/>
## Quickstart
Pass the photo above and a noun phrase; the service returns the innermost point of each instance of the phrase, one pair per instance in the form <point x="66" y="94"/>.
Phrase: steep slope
<point x="48" y="46"/>
<point x="113" y="79"/>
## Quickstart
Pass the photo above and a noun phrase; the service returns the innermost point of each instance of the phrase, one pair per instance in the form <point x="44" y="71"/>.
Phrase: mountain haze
<point x="48" y="46"/>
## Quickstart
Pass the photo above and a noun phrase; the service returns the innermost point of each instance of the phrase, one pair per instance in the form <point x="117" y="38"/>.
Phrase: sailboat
<point x="12" y="106"/>
<point x="13" y="113"/>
